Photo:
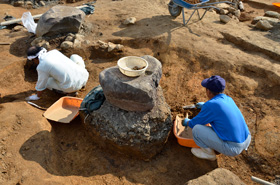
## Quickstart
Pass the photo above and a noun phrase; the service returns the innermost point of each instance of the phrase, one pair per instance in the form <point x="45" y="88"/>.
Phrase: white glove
<point x="32" y="97"/>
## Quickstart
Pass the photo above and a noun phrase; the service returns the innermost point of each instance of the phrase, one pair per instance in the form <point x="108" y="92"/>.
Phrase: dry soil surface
<point x="34" y="150"/>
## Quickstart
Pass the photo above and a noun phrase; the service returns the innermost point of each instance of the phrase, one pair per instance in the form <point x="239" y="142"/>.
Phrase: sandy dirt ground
<point x="34" y="150"/>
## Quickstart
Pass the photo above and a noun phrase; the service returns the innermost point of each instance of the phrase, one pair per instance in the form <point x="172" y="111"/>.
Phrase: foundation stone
<point x="134" y="119"/>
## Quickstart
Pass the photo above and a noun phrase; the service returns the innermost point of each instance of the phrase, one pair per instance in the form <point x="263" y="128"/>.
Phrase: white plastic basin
<point x="132" y="66"/>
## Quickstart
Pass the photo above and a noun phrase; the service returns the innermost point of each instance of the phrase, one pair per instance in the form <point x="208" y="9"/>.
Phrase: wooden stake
<point x="4" y="43"/>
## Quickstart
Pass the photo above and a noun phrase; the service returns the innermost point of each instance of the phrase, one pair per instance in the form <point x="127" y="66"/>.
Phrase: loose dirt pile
<point x="34" y="150"/>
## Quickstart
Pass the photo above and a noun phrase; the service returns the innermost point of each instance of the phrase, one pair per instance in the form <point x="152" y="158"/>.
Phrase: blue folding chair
<point x="175" y="8"/>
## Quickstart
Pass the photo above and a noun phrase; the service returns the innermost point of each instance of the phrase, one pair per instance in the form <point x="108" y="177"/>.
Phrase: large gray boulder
<point x="138" y="134"/>
<point x="132" y="93"/>
<point x="60" y="19"/>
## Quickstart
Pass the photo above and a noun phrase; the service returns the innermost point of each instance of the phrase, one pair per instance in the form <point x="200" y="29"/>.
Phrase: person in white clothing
<point x="56" y="71"/>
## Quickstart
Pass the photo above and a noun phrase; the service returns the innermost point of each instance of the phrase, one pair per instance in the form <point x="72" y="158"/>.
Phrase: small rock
<point x="19" y="3"/>
<point x="230" y="15"/>
<point x="40" y="41"/>
<point x="17" y="28"/>
<point x="70" y="34"/>
<point x="217" y="176"/>
<point x="224" y="18"/>
<point x="272" y="14"/>
<point x="235" y="18"/>
<point x="87" y="42"/>
<point x="272" y="21"/>
<point x="69" y="38"/>
<point x="46" y="45"/>
<point x="223" y="6"/>
<point x="130" y="20"/>
<point x="102" y="44"/>
<point x="245" y="17"/>
<point x="237" y="13"/>
<point x="241" y="6"/>
<point x="257" y="19"/>
<point x="119" y="47"/>
<point x="111" y="46"/>
<point x="223" y="11"/>
<point x="264" y="25"/>
<point x="42" y="3"/>
<point x="79" y="37"/>
<point x="231" y="9"/>
<point x="66" y="45"/>
<point x="77" y="43"/>
<point x="28" y="4"/>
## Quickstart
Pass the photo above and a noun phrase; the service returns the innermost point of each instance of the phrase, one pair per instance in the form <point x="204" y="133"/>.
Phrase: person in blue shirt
<point x="228" y="133"/>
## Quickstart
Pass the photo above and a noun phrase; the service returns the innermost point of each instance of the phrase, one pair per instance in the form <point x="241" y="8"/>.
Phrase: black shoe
<point x="59" y="92"/>
<point x="74" y="94"/>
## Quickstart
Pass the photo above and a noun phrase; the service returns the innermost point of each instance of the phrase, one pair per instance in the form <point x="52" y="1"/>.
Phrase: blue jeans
<point x="206" y="137"/>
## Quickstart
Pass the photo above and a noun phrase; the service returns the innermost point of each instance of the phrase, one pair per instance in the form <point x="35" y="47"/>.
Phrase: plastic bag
<point x="28" y="22"/>
<point x="78" y="60"/>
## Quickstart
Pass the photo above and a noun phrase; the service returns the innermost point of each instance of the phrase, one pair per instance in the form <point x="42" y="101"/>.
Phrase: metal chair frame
<point x="203" y="5"/>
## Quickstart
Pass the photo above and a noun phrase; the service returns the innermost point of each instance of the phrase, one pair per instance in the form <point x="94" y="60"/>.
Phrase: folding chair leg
<point x="183" y="13"/>
<point x="203" y="14"/>
<point x="196" y="10"/>
<point x="198" y="14"/>
<point x="190" y="17"/>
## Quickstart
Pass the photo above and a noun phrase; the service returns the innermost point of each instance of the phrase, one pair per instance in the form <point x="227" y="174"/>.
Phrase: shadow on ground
<point x="151" y="27"/>
<point x="68" y="150"/>
<point x="19" y="47"/>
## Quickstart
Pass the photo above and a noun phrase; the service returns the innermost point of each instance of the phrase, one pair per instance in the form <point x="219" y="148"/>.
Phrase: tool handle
<point x="258" y="180"/>
<point x="37" y="106"/>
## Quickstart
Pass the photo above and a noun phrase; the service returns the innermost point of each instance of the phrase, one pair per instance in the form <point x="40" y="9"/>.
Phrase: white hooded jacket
<point x="66" y="74"/>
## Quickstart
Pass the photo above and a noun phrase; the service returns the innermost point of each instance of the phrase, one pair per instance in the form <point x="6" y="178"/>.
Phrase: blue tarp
<point x="89" y="9"/>
<point x="93" y="100"/>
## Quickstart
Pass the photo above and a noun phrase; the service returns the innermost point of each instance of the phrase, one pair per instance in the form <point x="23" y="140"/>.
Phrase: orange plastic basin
<point x="184" y="136"/>
<point x="276" y="4"/>
<point x="64" y="110"/>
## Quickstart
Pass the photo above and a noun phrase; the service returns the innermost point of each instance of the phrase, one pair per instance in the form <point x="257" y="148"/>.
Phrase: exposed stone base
<point x="138" y="134"/>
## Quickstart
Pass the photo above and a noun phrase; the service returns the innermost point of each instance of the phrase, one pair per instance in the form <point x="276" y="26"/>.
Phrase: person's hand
<point x="32" y="97"/>
<point x="185" y="122"/>
<point x="199" y="105"/>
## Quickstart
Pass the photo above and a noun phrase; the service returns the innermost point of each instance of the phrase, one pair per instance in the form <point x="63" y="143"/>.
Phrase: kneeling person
<point x="57" y="72"/>
<point x="228" y="133"/>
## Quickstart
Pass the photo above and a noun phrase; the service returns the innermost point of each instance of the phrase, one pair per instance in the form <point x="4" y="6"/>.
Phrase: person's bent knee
<point x="232" y="153"/>
<point x="197" y="128"/>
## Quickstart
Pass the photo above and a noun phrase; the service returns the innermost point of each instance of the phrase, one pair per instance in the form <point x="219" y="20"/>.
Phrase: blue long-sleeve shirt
<point x="225" y="118"/>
